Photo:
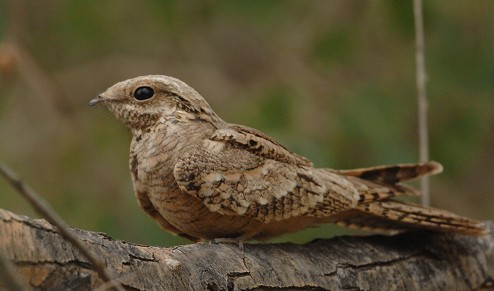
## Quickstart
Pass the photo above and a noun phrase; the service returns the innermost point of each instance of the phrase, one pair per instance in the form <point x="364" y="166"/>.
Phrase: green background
<point x="331" y="80"/>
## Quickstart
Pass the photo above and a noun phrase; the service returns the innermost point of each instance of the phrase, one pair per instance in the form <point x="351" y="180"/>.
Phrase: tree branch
<point x="43" y="208"/>
<point x="421" y="97"/>
<point x="415" y="260"/>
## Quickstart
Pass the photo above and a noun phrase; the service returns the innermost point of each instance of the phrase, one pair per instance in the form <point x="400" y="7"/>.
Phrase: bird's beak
<point x="96" y="100"/>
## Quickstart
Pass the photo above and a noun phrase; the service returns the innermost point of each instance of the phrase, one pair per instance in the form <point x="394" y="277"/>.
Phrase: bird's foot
<point x="227" y="240"/>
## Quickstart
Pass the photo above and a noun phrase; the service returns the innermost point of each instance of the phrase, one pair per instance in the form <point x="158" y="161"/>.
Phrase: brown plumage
<point x="202" y="178"/>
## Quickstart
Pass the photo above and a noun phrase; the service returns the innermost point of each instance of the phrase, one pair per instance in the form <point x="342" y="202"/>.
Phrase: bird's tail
<point x="377" y="209"/>
<point x="392" y="174"/>
<point x="396" y="216"/>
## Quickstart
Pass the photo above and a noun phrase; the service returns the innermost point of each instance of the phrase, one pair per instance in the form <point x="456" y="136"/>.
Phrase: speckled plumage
<point x="202" y="178"/>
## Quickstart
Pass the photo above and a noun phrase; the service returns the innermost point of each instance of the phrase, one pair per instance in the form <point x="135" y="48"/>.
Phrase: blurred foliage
<point x="332" y="80"/>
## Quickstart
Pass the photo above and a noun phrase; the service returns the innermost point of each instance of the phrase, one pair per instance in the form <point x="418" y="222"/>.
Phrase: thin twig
<point x="44" y="209"/>
<point x="8" y="276"/>
<point x="422" y="96"/>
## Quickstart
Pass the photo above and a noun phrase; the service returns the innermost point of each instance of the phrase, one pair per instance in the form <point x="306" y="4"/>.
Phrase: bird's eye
<point x="143" y="93"/>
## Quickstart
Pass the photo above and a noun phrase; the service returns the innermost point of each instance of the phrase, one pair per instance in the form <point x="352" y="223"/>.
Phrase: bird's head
<point x="143" y="101"/>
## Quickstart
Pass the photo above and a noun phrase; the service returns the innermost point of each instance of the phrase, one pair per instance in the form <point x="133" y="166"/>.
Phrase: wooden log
<point x="409" y="261"/>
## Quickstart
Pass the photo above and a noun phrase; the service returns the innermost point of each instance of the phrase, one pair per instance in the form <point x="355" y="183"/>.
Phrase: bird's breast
<point x="153" y="156"/>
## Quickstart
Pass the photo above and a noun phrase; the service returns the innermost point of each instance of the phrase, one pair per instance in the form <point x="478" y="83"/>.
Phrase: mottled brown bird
<point x="203" y="178"/>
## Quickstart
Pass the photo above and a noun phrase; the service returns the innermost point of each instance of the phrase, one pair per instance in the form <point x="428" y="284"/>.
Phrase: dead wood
<point x="410" y="261"/>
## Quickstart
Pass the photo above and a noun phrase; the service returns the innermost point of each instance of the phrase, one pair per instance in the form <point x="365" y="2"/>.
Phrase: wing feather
<point x="239" y="171"/>
<point x="258" y="143"/>
<point x="235" y="181"/>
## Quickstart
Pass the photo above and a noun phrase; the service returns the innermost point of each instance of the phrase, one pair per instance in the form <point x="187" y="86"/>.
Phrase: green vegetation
<point x="332" y="80"/>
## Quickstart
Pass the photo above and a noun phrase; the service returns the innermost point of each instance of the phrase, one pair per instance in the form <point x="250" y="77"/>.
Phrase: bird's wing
<point x="258" y="143"/>
<point x="239" y="171"/>
<point x="262" y="180"/>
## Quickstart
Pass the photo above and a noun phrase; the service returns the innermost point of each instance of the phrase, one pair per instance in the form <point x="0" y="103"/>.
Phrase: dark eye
<point x="143" y="93"/>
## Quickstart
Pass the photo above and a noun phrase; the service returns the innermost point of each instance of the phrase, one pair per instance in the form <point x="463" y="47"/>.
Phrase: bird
<point x="202" y="178"/>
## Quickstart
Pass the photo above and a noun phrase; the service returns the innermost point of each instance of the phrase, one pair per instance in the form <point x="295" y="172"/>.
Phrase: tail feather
<point x="376" y="209"/>
<point x="370" y="191"/>
<point x="394" y="173"/>
<point x="394" y="216"/>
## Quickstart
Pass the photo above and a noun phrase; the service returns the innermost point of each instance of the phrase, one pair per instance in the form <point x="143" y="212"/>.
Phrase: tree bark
<point x="409" y="261"/>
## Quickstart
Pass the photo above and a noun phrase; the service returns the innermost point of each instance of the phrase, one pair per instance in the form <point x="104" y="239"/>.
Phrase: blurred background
<point x="332" y="80"/>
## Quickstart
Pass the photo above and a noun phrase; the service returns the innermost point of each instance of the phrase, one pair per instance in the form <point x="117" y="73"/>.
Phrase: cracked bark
<point x="410" y="261"/>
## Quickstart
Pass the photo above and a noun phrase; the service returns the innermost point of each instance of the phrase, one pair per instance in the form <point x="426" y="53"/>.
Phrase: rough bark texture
<point x="411" y="261"/>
